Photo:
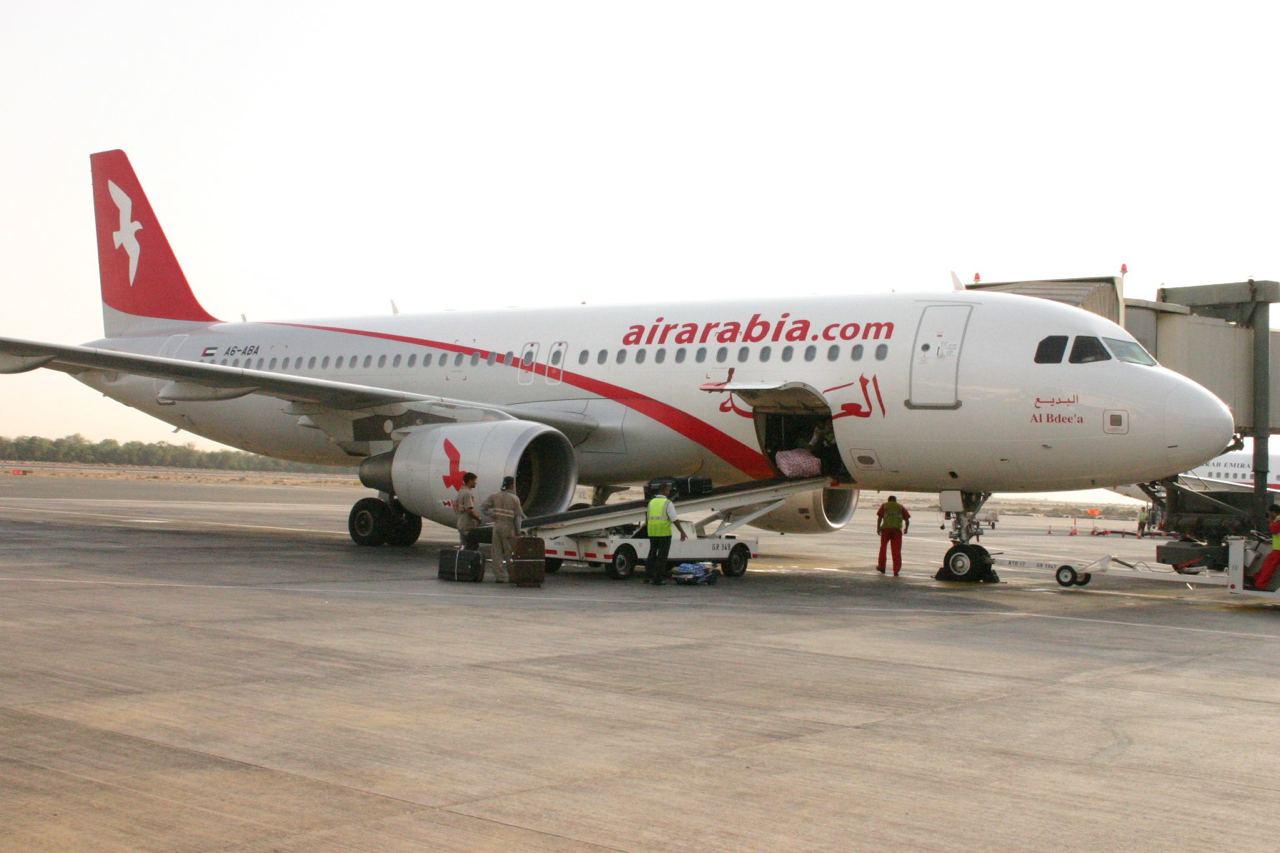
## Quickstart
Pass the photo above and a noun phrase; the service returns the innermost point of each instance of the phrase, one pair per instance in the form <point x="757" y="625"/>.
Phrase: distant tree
<point x="77" y="449"/>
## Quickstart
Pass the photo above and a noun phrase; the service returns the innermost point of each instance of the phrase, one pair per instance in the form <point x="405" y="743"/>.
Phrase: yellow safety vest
<point x="659" y="524"/>
<point x="892" y="518"/>
<point x="1275" y="541"/>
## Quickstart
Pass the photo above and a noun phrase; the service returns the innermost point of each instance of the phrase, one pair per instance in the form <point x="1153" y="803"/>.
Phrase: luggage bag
<point x="799" y="463"/>
<point x="459" y="565"/>
<point x="529" y="561"/>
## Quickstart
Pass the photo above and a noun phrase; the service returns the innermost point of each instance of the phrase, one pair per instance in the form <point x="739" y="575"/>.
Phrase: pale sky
<point x="319" y="159"/>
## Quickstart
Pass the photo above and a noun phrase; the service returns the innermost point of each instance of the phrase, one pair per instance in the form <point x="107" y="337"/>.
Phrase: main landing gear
<point x="374" y="521"/>
<point x="963" y="561"/>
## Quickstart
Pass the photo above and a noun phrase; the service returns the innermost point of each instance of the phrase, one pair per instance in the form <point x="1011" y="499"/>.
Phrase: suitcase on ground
<point x="798" y="463"/>
<point x="459" y="565"/>
<point x="529" y="561"/>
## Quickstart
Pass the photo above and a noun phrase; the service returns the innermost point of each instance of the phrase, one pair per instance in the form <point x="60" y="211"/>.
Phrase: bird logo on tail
<point x="127" y="235"/>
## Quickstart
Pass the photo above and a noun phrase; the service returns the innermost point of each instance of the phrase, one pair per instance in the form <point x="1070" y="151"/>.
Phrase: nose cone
<point x="1197" y="426"/>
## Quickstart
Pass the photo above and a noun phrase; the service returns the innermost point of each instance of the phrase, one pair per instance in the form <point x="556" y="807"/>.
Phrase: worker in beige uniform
<point x="507" y="514"/>
<point x="464" y="505"/>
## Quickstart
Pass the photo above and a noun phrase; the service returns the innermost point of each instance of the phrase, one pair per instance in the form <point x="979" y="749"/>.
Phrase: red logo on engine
<point x="453" y="480"/>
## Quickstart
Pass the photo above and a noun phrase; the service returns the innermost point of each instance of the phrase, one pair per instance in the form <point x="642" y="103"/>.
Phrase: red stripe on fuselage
<point x="741" y="456"/>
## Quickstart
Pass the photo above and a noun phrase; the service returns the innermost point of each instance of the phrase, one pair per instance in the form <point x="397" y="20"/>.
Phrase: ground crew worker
<point x="659" y="518"/>
<point x="892" y="521"/>
<point x="1143" y="518"/>
<point x="1262" y="579"/>
<point x="507" y="514"/>
<point x="464" y="506"/>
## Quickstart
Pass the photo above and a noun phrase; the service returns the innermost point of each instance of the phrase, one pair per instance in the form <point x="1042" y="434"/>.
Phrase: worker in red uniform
<point x="892" y="522"/>
<point x="1262" y="579"/>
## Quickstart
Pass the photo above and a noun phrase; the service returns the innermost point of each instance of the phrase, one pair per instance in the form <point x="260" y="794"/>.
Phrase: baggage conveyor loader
<point x="606" y="535"/>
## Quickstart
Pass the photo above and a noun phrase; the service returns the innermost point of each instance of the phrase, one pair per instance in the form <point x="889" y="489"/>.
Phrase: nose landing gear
<point x="963" y="561"/>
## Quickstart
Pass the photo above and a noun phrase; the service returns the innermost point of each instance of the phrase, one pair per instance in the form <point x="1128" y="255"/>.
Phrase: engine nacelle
<point x="819" y="511"/>
<point x="424" y="472"/>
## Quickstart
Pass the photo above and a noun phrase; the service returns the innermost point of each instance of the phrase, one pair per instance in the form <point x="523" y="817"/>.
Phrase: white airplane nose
<point x="1197" y="426"/>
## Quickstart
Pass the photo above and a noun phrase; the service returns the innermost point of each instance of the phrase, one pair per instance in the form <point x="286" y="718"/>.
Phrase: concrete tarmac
<point x="200" y="667"/>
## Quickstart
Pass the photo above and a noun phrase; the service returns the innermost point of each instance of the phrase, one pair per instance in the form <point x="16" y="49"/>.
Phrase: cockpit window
<point x="1087" y="349"/>
<point x="1051" y="350"/>
<point x="1130" y="351"/>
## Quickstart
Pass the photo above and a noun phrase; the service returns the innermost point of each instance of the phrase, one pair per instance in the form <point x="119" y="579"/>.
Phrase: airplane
<point x="1228" y="472"/>
<point x="962" y="393"/>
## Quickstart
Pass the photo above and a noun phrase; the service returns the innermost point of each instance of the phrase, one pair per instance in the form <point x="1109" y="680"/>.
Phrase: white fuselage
<point x="928" y="392"/>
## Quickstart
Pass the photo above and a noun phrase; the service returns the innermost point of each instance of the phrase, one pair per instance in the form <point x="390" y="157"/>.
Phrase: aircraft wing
<point x="197" y="381"/>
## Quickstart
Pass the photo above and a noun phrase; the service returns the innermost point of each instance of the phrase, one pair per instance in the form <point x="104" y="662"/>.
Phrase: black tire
<point x="623" y="564"/>
<point x="369" y="522"/>
<point x="1084" y="579"/>
<point x="735" y="566"/>
<point x="1065" y="576"/>
<point x="966" y="563"/>
<point x="553" y="565"/>
<point x="405" y="530"/>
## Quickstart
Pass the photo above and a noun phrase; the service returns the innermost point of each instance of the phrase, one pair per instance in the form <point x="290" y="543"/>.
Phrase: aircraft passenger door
<point x="555" y="362"/>
<point x="528" y="358"/>
<point x="935" y="357"/>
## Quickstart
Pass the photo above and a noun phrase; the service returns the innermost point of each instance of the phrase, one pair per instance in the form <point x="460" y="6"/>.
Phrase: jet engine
<point x="424" y="472"/>
<point x="819" y="511"/>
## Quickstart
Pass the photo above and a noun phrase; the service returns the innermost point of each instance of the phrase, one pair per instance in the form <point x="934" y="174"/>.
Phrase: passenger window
<point x="368" y="360"/>
<point x="426" y="360"/>
<point x="701" y="355"/>
<point x="856" y="353"/>
<point x="765" y="352"/>
<point x="259" y="365"/>
<point x="722" y="354"/>
<point x="337" y="364"/>
<point x="640" y="356"/>
<point x="659" y="356"/>
<point x="1051" y="349"/>
<point x="272" y="365"/>
<point x="324" y="363"/>
<point x="526" y="360"/>
<point x="786" y="353"/>
<point x="680" y="355"/>
<point x="882" y="352"/>
<point x="395" y="362"/>
<point x="583" y="356"/>
<point x="311" y="363"/>
<point x="809" y="352"/>
<point x="555" y="357"/>
<point x="1087" y="349"/>
<point x="235" y="362"/>
<point x="457" y="360"/>
<point x="743" y="352"/>
<point x="475" y="359"/>
<point x="602" y="356"/>
<point x="493" y="357"/>
<point x="621" y="358"/>
<point x="413" y="360"/>
<point x="833" y="352"/>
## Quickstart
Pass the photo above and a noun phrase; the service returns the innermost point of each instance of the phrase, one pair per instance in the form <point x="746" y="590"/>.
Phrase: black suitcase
<point x="459" y="565"/>
<point x="692" y="486"/>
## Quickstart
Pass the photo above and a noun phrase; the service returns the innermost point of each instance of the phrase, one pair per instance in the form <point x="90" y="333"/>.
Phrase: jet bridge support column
<point x="1260" y="320"/>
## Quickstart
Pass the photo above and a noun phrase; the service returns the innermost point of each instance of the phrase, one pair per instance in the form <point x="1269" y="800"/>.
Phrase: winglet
<point x="143" y="288"/>
<point x="955" y="281"/>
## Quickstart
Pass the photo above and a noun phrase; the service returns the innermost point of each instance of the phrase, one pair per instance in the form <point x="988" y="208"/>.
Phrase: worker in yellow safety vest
<point x="660" y="517"/>
<point x="892" y="521"/>
<point x="1262" y="580"/>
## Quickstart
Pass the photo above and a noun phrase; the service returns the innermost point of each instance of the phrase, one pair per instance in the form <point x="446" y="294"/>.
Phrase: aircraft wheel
<point x="623" y="564"/>
<point x="736" y="565"/>
<point x="1066" y="576"/>
<point x="553" y="565"/>
<point x="965" y="563"/>
<point x="405" y="530"/>
<point x="1084" y="579"/>
<point x="369" y="522"/>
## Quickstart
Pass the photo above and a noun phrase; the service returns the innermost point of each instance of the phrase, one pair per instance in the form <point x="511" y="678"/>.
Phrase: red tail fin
<point x="143" y="288"/>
